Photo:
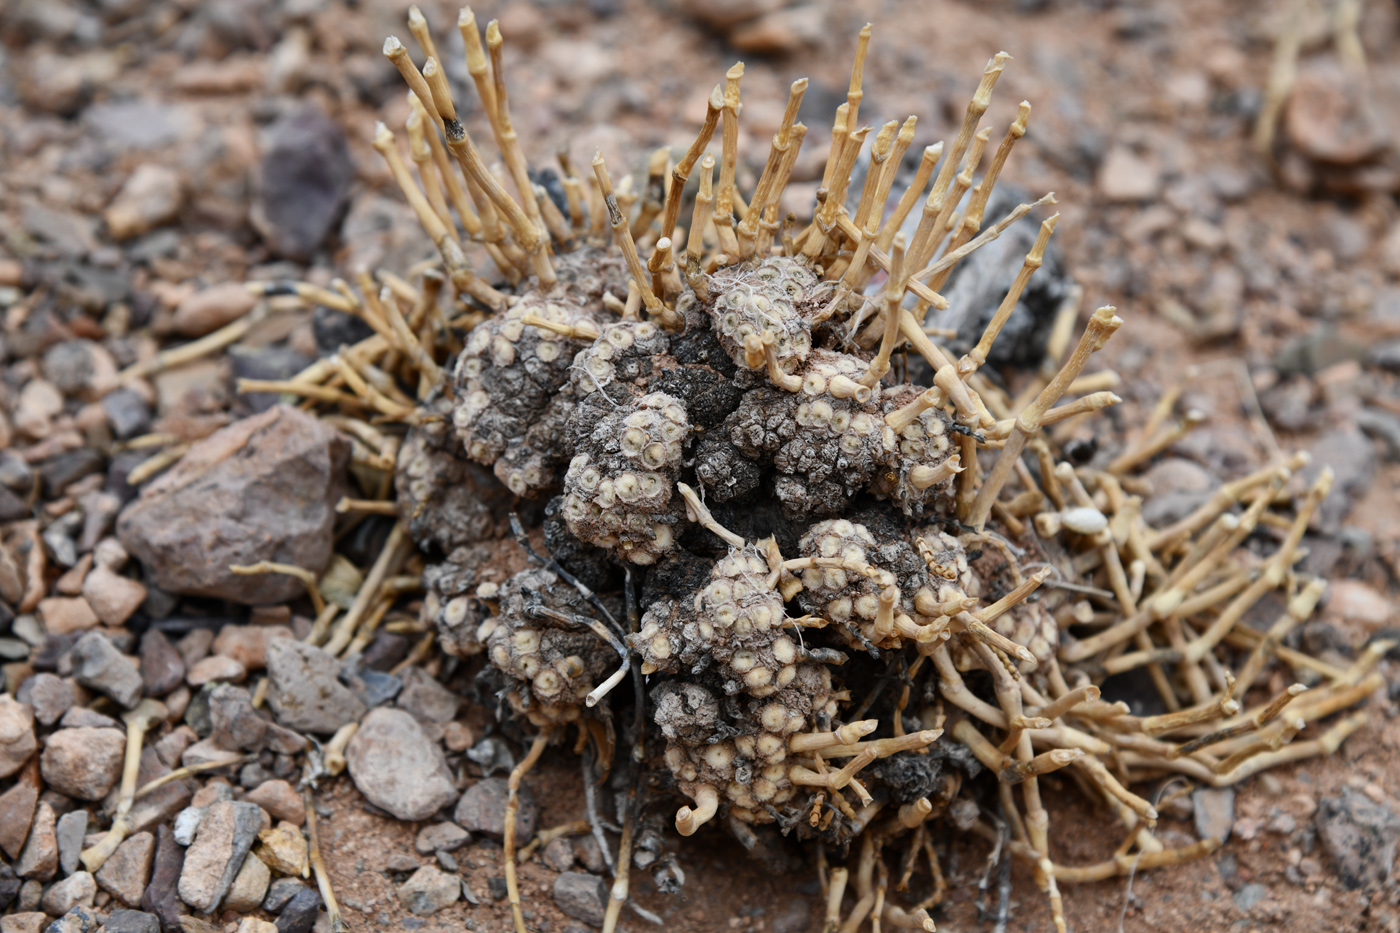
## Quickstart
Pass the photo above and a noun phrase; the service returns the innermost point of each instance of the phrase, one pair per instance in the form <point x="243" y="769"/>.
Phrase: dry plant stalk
<point x="964" y="475"/>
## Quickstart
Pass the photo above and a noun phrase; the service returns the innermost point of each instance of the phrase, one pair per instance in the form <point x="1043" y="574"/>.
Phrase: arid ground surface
<point x="1275" y="275"/>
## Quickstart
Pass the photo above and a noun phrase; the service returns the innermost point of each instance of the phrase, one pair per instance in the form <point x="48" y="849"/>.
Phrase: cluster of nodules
<point x="751" y="401"/>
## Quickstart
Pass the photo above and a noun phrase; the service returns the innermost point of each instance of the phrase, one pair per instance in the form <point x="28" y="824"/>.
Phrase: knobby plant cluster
<point x="849" y="606"/>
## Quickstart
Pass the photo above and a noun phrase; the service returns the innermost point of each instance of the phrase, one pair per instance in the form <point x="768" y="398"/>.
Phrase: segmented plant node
<point x="618" y="489"/>
<point x="623" y="353"/>
<point x="774" y="297"/>
<point x="509" y="374"/>
<point x="553" y="664"/>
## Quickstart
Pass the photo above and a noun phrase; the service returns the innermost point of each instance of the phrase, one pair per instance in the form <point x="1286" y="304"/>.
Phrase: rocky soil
<point x="154" y="155"/>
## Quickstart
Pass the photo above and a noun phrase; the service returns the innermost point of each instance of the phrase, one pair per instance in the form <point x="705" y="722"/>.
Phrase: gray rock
<point x="234" y="724"/>
<point x="482" y="809"/>
<point x="1249" y="895"/>
<point x="281" y="892"/>
<point x="84" y="763"/>
<point x="1383" y="426"/>
<point x="131" y="921"/>
<point x="1352" y="458"/>
<point x="160" y="897"/>
<point x="162" y="668"/>
<point x="303" y="690"/>
<point x="127" y="871"/>
<point x="428" y="890"/>
<point x="304" y="176"/>
<point x="127" y="413"/>
<point x="794" y="918"/>
<point x="225" y="836"/>
<point x="99" y="666"/>
<point x="17" y="740"/>
<point x="51" y="697"/>
<point x="426" y="699"/>
<point x="80" y="717"/>
<point x="299" y="916"/>
<point x="1359" y="837"/>
<point x="581" y="896"/>
<point x="78" y="889"/>
<point x="187" y="824"/>
<point x="440" y="837"/>
<point x="72" y="826"/>
<point x="397" y="768"/>
<point x="1214" y="812"/>
<point x="139" y="123"/>
<point x="558" y="854"/>
<point x="263" y="488"/>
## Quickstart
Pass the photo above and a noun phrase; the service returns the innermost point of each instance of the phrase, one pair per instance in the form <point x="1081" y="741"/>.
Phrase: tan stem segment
<point x="1101" y="327"/>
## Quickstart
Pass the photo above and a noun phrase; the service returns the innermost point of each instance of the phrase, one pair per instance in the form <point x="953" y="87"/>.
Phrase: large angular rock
<point x="303" y="690"/>
<point x="225" y="836"/>
<point x="397" y="767"/>
<point x="263" y="488"/>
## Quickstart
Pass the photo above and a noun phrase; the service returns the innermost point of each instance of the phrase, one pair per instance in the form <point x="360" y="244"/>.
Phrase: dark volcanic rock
<point x="304" y="176"/>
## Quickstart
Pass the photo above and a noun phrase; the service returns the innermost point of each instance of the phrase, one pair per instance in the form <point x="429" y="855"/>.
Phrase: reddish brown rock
<point x="84" y="763"/>
<point x="17" y="741"/>
<point x="263" y="488"/>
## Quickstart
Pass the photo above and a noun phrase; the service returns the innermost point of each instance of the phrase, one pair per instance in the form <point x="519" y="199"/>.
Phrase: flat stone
<point x="303" y="690"/>
<point x="225" y="836"/>
<point x="84" y="763"/>
<point x="17" y="739"/>
<point x="440" y="837"/>
<point x="194" y="646"/>
<point x="99" y="666"/>
<point x="1357" y="602"/>
<point x="299" y="916"/>
<point x="113" y="598"/>
<point x="80" y="717"/>
<point x="249" y="886"/>
<point x="49" y="695"/>
<point x="482" y="809"/>
<point x="234" y="724"/>
<point x="263" y="488"/>
<point x="160" y="897"/>
<point x="426" y="699"/>
<point x="131" y="921"/>
<point x="1214" y="812"/>
<point x="26" y="922"/>
<point x="216" y="667"/>
<point x="78" y="889"/>
<point x="430" y="889"/>
<point x="64" y="614"/>
<point x="397" y="768"/>
<point x="127" y="871"/>
<point x="581" y="896"/>
<point x="162" y="668"/>
<point x="39" y="857"/>
<point x="280" y="800"/>
<point x="247" y="644"/>
<point x="149" y="198"/>
<point x="204" y="752"/>
<point x="72" y="827"/>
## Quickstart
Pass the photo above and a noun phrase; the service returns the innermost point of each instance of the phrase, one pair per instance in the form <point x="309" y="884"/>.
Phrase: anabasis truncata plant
<point x="850" y="606"/>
